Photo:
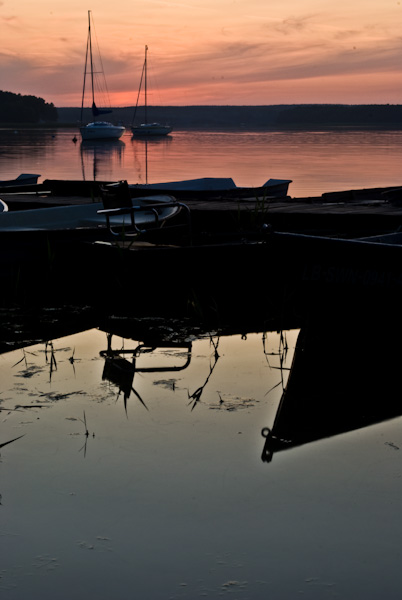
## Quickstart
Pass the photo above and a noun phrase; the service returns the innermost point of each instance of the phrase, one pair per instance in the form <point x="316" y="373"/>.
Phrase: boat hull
<point x="82" y="216"/>
<point x="150" y="129"/>
<point x="183" y="192"/>
<point x="101" y="131"/>
<point x="23" y="179"/>
<point x="206" y="188"/>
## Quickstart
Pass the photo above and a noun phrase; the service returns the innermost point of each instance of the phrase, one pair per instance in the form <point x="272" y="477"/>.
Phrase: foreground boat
<point x="86" y="217"/>
<point x="202" y="188"/>
<point x="214" y="267"/>
<point x="257" y="270"/>
<point x="21" y="180"/>
<point x="214" y="187"/>
<point x="70" y="255"/>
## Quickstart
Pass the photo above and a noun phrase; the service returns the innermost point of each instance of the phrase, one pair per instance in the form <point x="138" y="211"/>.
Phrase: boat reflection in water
<point x="140" y="145"/>
<point x="97" y="156"/>
<point x="344" y="377"/>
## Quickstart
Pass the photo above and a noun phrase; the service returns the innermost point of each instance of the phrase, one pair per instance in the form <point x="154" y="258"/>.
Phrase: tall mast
<point x="145" y="88"/>
<point x="88" y="52"/>
<point x="90" y="55"/>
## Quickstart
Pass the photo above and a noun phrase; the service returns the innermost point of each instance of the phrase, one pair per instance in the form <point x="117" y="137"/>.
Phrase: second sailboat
<point x="147" y="129"/>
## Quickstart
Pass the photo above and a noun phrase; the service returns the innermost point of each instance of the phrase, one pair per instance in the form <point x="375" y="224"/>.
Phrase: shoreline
<point x="224" y="128"/>
<point x="286" y="117"/>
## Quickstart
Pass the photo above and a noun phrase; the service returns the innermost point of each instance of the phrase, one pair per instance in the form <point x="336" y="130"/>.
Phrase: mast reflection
<point x="96" y="157"/>
<point x="142" y="144"/>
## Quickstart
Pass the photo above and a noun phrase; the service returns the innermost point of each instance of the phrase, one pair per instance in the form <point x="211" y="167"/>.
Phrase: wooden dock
<point x="350" y="218"/>
<point x="340" y="213"/>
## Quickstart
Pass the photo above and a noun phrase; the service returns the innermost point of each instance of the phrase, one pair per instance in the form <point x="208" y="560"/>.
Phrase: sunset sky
<point x="208" y="51"/>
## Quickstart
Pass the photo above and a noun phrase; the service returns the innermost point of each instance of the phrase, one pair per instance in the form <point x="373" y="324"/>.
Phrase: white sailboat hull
<point x="146" y="129"/>
<point x="101" y="130"/>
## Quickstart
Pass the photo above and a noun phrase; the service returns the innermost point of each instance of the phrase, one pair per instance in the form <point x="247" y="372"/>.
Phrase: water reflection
<point x="183" y="494"/>
<point x="21" y="150"/>
<point x="135" y="346"/>
<point x="140" y="154"/>
<point x="120" y="371"/>
<point x="196" y="395"/>
<point x="317" y="162"/>
<point x="145" y="142"/>
<point x="97" y="155"/>
<point x="344" y="377"/>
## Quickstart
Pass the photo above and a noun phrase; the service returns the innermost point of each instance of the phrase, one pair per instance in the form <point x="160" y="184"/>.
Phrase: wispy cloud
<point x="200" y="49"/>
<point x="293" y="24"/>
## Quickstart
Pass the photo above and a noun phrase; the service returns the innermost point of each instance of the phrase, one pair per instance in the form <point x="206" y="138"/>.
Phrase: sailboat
<point x="97" y="130"/>
<point x="147" y="129"/>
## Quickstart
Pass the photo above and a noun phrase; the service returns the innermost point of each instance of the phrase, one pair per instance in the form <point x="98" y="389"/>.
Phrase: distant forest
<point x="257" y="117"/>
<point x="334" y="114"/>
<point x="30" y="110"/>
<point x="15" y="108"/>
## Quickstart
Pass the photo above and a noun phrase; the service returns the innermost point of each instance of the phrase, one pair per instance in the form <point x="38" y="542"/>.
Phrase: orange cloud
<point x="214" y="53"/>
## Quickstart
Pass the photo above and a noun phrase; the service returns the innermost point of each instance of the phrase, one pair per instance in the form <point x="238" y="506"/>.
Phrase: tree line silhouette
<point x="15" y="108"/>
<point x="341" y="115"/>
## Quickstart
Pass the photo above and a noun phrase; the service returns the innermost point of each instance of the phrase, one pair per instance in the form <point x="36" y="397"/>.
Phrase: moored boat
<point x="203" y="188"/>
<point x="147" y="129"/>
<point x="150" y="129"/>
<point x="23" y="179"/>
<point x="101" y="130"/>
<point x="88" y="216"/>
<point x="214" y="187"/>
<point x="96" y="130"/>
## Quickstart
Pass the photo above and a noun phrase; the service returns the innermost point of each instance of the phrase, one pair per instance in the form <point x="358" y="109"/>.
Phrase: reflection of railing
<point x="120" y="371"/>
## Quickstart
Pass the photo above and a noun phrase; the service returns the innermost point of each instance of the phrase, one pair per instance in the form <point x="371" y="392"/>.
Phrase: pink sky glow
<point x="208" y="51"/>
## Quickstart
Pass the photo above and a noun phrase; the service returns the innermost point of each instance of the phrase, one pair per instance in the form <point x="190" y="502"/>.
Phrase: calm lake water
<point x="143" y="471"/>
<point x="316" y="162"/>
<point x="168" y="496"/>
